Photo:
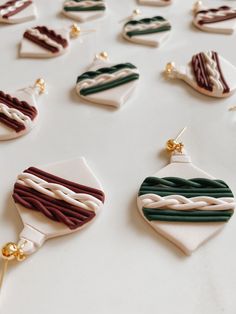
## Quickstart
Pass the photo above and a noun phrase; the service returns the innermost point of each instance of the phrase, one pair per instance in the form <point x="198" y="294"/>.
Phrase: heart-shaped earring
<point x="183" y="203"/>
<point x="17" y="11"/>
<point x="158" y="3"/>
<point x="208" y="73"/>
<point x="147" y="31"/>
<point x="42" y="42"/>
<point x="53" y="201"/>
<point x="18" y="112"/>
<point x="84" y="10"/>
<point x="221" y="20"/>
<point x="106" y="82"/>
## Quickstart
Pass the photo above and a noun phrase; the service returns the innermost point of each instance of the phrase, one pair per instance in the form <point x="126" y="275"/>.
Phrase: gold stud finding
<point x="136" y="12"/>
<point x="102" y="55"/>
<point x="169" y="69"/>
<point x="12" y="251"/>
<point x="75" y="31"/>
<point x="41" y="85"/>
<point x="172" y="145"/>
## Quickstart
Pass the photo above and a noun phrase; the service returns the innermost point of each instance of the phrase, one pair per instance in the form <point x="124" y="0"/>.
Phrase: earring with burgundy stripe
<point x="18" y="111"/>
<point x="53" y="201"/>
<point x="208" y="73"/>
<point x="44" y="42"/>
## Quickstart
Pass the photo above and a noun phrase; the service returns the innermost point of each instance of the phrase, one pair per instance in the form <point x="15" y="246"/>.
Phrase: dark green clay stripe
<point x="113" y="84"/>
<point x="81" y="9"/>
<point x="146" y="20"/>
<point x="179" y="190"/>
<point x="185" y="213"/>
<point x="107" y="70"/>
<point x="187" y="218"/>
<point x="180" y="182"/>
<point x="149" y="31"/>
<point x="190" y="194"/>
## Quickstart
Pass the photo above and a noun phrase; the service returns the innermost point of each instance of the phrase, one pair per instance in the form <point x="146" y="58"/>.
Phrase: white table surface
<point x="119" y="264"/>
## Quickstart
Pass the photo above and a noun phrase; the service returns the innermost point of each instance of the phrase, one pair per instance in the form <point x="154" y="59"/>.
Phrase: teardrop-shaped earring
<point x="183" y="203"/>
<point x="18" y="111"/>
<point x="208" y="73"/>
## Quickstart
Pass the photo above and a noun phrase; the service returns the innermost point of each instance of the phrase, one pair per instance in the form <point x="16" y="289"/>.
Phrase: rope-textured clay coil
<point x="58" y="199"/>
<point x="181" y="200"/>
<point x="11" y="8"/>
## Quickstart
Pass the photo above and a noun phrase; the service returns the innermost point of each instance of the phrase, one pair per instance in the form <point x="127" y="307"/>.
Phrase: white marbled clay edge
<point x="105" y="78"/>
<point x="57" y="191"/>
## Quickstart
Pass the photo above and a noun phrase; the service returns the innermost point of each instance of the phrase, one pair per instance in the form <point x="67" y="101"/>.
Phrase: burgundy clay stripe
<point x="216" y="59"/>
<point x="209" y="85"/>
<point x="52" y="35"/>
<point x="6" y="16"/>
<point x="57" y="210"/>
<point x="13" y="102"/>
<point x="22" y="106"/>
<point x="40" y="42"/>
<point x="77" y="188"/>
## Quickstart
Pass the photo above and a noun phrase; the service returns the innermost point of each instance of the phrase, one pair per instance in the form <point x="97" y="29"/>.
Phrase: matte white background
<point x="119" y="264"/>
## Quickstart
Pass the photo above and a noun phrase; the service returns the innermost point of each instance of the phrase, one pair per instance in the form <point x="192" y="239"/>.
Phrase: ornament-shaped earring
<point x="18" y="112"/>
<point x="208" y="73"/>
<point x="157" y="3"/>
<point x="42" y="42"/>
<point x="106" y="82"/>
<point x="221" y="20"/>
<point x="84" y="10"/>
<point x="146" y="31"/>
<point x="183" y="203"/>
<point x="53" y="201"/>
<point x="17" y="11"/>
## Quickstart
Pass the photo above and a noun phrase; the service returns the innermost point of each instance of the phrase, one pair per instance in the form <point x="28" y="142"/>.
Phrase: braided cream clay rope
<point x="177" y="199"/>
<point x="208" y="73"/>
<point x="47" y="40"/>
<point x="220" y="14"/>
<point x="106" y="78"/>
<point x="60" y="192"/>
<point x="213" y="72"/>
<point x="146" y="26"/>
<point x="12" y="7"/>
<point x="16" y="115"/>
<point x="84" y="5"/>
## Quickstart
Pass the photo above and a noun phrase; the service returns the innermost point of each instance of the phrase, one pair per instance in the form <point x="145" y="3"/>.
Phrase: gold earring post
<point x="173" y="145"/>
<point x="41" y="84"/>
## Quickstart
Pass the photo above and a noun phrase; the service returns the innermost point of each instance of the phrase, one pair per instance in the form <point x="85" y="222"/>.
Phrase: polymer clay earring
<point x="183" y="203"/>
<point x="106" y="82"/>
<point x="158" y="3"/>
<point x="221" y="20"/>
<point x="208" y="73"/>
<point x="43" y="42"/>
<point x="147" y="31"/>
<point x="53" y="200"/>
<point x="84" y="10"/>
<point x="17" y="11"/>
<point x="18" y="111"/>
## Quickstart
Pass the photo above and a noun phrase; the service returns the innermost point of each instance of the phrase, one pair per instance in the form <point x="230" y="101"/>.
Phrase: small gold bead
<point x="136" y="12"/>
<point x="169" y="68"/>
<point x="104" y="55"/>
<point x="9" y="251"/>
<point x="41" y="84"/>
<point x="75" y="30"/>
